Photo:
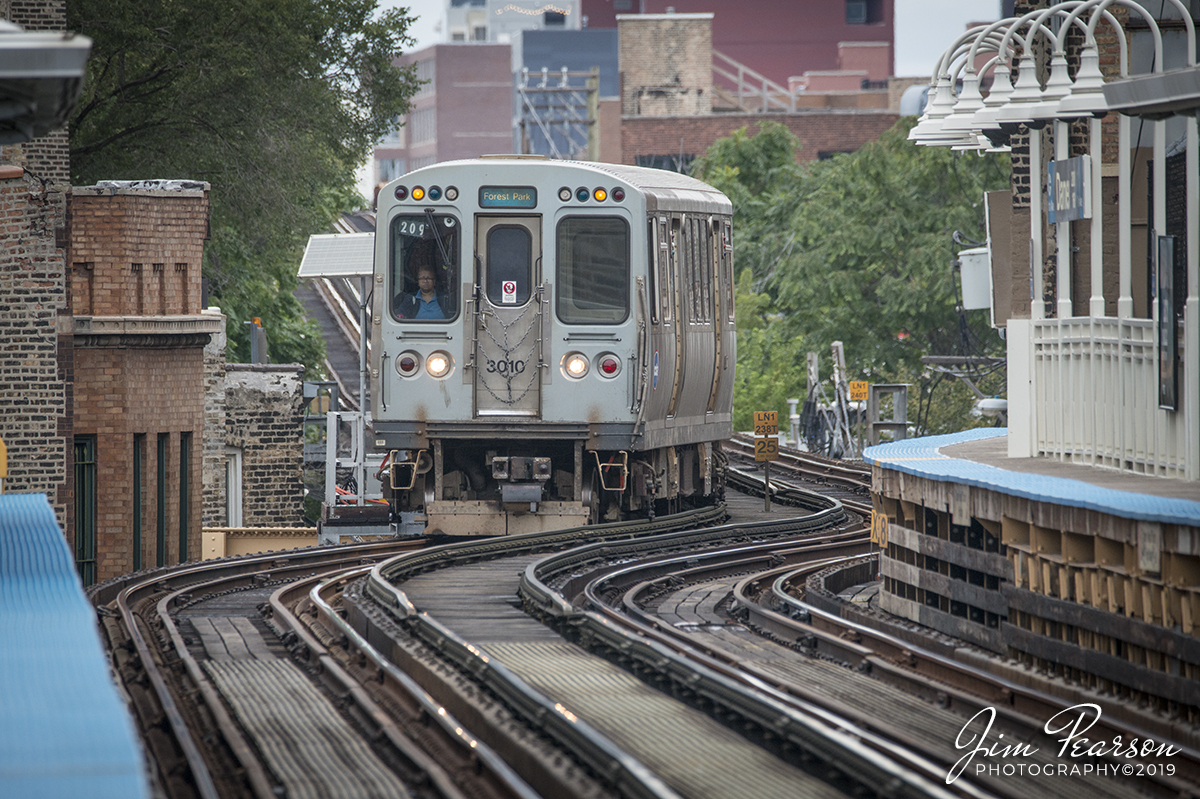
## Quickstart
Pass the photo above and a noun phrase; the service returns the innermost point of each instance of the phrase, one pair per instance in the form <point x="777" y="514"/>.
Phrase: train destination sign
<point x="507" y="197"/>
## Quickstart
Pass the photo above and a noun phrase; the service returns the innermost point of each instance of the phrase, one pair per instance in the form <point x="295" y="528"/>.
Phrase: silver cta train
<point x="553" y="343"/>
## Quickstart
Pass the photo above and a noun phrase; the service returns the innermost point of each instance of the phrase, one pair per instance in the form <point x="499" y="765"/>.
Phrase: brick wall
<point x="666" y="64"/>
<point x="141" y="379"/>
<point x="35" y="366"/>
<point x="33" y="393"/>
<point x="214" y="511"/>
<point x="142" y="252"/>
<point x="121" y="392"/>
<point x="827" y="131"/>
<point x="264" y="407"/>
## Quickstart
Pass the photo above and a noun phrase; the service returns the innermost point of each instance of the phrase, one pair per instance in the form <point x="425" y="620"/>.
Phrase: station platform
<point x="1083" y="575"/>
<point x="980" y="458"/>
<point x="64" y="730"/>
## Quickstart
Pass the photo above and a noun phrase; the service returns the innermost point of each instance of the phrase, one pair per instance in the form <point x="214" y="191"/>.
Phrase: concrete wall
<point x="666" y="64"/>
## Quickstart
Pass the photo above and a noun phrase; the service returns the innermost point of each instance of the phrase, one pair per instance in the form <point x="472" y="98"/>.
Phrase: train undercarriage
<point x="462" y="487"/>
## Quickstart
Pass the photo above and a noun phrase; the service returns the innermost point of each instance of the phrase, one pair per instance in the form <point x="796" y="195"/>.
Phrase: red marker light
<point x="609" y="366"/>
<point x="401" y="193"/>
<point x="618" y="194"/>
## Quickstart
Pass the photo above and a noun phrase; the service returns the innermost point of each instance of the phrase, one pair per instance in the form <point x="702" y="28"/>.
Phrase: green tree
<point x="273" y="102"/>
<point x="859" y="249"/>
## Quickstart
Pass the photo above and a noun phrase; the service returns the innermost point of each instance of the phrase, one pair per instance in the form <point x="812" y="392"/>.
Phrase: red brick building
<point x="778" y="38"/>
<point x="668" y="99"/>
<point x="134" y="254"/>
<point x="463" y="111"/>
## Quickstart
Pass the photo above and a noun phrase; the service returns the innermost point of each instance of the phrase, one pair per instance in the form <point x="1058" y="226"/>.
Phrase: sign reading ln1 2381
<point x="1070" y="189"/>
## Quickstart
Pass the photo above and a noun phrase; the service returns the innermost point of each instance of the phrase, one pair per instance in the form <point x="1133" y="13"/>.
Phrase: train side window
<point x="425" y="246"/>
<point x="593" y="270"/>
<point x="509" y="259"/>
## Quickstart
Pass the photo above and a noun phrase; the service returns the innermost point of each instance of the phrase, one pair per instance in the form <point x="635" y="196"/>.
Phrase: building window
<point x="425" y="75"/>
<point x="554" y="19"/>
<point x="864" y="12"/>
<point x="622" y="5"/>
<point x="233" y="487"/>
<point x="389" y="169"/>
<point x="139" y="496"/>
<point x="423" y="161"/>
<point x="160" y="543"/>
<point x="458" y="36"/>
<point x="479" y="33"/>
<point x="185" y="492"/>
<point x="671" y="163"/>
<point x="422" y="126"/>
<point x="85" y="508"/>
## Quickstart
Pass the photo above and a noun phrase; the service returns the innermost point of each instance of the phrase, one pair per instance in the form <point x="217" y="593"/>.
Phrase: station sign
<point x="1070" y="189"/>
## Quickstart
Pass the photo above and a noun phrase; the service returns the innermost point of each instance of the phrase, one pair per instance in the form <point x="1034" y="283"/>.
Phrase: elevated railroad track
<point x="672" y="657"/>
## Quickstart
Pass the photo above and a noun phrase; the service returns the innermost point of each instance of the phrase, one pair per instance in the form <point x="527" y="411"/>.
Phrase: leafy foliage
<point x="273" y="102"/>
<point x="859" y="249"/>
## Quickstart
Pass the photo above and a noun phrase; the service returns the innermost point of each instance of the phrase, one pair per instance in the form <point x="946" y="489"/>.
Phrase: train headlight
<point x="451" y="193"/>
<point x="438" y="364"/>
<point x="564" y="194"/>
<point x="407" y="364"/>
<point x="575" y="365"/>
<point x="609" y="365"/>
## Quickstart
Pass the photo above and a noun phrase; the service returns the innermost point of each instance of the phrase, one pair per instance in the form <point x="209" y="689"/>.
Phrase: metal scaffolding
<point x="560" y="120"/>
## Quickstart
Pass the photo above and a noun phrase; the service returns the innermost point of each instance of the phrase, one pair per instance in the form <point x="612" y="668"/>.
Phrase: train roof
<point x="664" y="190"/>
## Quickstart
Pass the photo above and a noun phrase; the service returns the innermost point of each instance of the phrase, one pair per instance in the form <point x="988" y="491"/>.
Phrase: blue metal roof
<point x="923" y="457"/>
<point x="64" y="732"/>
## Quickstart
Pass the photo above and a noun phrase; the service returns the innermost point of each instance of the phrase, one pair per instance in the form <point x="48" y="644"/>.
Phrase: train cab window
<point x="593" y="270"/>
<point x="425" y="267"/>
<point x="509" y="265"/>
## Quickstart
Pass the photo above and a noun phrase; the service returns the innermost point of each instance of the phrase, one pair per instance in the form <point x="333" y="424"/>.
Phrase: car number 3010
<point x="505" y="367"/>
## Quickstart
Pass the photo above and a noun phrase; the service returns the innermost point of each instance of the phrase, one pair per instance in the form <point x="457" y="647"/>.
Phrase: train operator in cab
<point x="427" y="302"/>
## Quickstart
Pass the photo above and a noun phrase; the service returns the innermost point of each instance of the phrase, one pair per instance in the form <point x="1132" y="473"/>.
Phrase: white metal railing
<point x="749" y="90"/>
<point x="1095" y="396"/>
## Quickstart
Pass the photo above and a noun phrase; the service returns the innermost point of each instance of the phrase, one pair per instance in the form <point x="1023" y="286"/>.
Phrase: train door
<point x="508" y="300"/>
<point x="715" y="276"/>
<point x="675" y="260"/>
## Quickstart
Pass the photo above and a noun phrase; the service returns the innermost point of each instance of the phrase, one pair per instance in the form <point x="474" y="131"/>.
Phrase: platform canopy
<point x="338" y="255"/>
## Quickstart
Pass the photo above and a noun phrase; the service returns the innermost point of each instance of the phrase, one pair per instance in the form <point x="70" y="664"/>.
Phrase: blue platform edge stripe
<point x="64" y="731"/>
<point x="922" y="457"/>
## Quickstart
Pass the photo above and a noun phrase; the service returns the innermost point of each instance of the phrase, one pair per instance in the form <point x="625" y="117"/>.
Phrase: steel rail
<point x="901" y="662"/>
<point x="855" y="754"/>
<point x="127" y="592"/>
<point x="314" y="590"/>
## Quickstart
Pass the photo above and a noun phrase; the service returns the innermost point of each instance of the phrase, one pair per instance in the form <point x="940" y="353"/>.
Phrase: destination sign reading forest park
<point x="507" y="197"/>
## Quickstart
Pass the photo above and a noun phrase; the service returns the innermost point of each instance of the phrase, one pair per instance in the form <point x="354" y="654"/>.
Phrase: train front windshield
<point x="425" y="267"/>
